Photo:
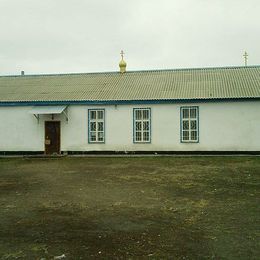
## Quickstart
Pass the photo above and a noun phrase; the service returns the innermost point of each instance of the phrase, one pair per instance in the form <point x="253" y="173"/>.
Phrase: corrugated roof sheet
<point x="179" y="84"/>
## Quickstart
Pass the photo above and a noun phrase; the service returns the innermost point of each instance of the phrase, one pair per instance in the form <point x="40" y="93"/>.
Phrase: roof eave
<point x="125" y="102"/>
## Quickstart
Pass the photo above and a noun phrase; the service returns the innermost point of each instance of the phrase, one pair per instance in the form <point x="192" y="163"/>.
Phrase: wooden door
<point x="52" y="137"/>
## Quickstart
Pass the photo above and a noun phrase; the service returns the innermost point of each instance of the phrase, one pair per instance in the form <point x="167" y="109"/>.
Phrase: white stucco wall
<point x="223" y="126"/>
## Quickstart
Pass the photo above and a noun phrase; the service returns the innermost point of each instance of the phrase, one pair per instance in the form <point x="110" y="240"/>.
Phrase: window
<point x="190" y="124"/>
<point x="96" y="126"/>
<point x="142" y="125"/>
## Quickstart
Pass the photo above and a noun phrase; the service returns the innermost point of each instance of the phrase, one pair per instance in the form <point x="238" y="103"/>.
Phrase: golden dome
<point x="122" y="63"/>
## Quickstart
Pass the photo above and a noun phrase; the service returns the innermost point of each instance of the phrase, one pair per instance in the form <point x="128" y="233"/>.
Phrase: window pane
<point x="185" y="135"/>
<point x="93" y="136"/>
<point x="92" y="114"/>
<point x="193" y="112"/>
<point x="100" y="114"/>
<point x="146" y="114"/>
<point x="100" y="136"/>
<point x="185" y="125"/>
<point x="138" y="114"/>
<point x="193" y="125"/>
<point x="146" y="136"/>
<point x="92" y="126"/>
<point x="193" y="135"/>
<point x="138" y="136"/>
<point x="100" y="126"/>
<point x="185" y="113"/>
<point x="146" y="126"/>
<point x="138" y="126"/>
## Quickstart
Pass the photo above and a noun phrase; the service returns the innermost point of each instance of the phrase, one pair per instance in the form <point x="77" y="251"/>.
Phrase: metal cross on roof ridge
<point x="246" y="57"/>
<point x="122" y="54"/>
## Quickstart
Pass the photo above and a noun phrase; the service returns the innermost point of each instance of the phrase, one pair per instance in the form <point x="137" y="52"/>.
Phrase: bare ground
<point x="130" y="208"/>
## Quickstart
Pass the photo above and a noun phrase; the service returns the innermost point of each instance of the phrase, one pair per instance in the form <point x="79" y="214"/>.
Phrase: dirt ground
<point x="130" y="208"/>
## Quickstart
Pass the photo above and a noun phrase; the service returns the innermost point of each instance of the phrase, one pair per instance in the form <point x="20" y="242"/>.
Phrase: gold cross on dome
<point x="246" y="57"/>
<point x="122" y="54"/>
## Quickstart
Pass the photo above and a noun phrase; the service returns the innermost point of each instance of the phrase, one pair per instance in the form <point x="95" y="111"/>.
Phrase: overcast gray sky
<point x="60" y="36"/>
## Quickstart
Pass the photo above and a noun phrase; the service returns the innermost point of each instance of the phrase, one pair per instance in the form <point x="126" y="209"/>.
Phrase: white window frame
<point x="144" y="124"/>
<point x="189" y="125"/>
<point x="96" y="121"/>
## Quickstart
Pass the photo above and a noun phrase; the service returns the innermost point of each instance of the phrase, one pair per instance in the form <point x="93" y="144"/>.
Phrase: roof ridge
<point x="131" y="71"/>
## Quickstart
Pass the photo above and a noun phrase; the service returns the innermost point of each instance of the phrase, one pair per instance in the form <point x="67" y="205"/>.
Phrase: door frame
<point x="59" y="140"/>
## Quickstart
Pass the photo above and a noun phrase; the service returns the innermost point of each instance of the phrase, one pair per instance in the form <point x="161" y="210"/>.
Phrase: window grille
<point x="96" y="126"/>
<point x="142" y="125"/>
<point x="190" y="124"/>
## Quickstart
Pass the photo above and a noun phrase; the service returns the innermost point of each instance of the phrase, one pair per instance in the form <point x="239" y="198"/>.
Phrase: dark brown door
<point x="52" y="137"/>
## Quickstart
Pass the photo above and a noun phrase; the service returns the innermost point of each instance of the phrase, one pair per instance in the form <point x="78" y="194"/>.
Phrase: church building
<point x="175" y="110"/>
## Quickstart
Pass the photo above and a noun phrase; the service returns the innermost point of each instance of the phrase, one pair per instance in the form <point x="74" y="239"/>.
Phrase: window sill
<point x="189" y="142"/>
